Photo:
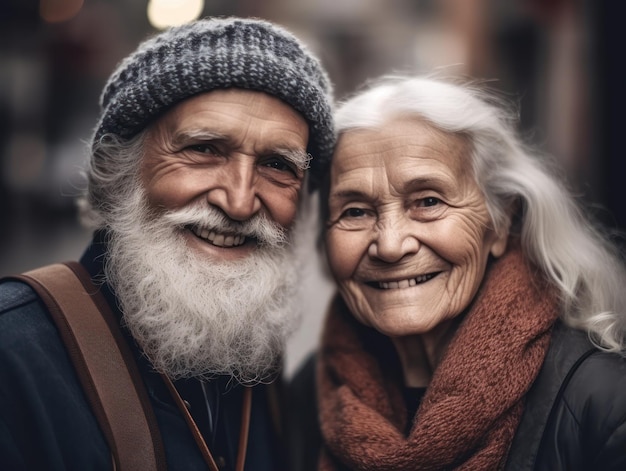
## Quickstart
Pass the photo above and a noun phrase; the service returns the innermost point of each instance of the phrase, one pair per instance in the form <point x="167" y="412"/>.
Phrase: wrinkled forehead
<point x="401" y="136"/>
<point x="238" y="103"/>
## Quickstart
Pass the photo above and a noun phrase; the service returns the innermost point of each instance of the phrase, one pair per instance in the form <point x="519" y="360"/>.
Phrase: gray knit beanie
<point x="220" y="53"/>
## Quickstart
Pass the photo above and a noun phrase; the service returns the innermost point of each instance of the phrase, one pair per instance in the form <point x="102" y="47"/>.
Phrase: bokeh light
<point x="56" y="11"/>
<point x="165" y="13"/>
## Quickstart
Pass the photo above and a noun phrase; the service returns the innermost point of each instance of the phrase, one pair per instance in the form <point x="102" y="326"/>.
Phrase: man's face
<point x="240" y="151"/>
<point x="202" y="253"/>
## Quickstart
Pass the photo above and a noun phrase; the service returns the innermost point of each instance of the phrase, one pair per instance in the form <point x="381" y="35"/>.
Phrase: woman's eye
<point x="353" y="218"/>
<point x="430" y="201"/>
<point x="427" y="208"/>
<point x="353" y="213"/>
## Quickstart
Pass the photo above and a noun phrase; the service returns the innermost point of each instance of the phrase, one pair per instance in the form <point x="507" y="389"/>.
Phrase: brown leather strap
<point x="104" y="363"/>
<point x="244" y="432"/>
<point x="246" y="410"/>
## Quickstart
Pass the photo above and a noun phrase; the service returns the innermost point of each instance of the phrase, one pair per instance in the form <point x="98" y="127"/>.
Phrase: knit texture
<point x="220" y="53"/>
<point x="474" y="401"/>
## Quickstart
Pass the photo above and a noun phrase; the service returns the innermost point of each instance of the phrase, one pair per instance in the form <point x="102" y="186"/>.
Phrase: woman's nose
<point x="236" y="193"/>
<point x="394" y="238"/>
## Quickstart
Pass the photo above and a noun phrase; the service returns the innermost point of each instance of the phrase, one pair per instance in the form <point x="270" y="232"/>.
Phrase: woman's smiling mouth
<point x="401" y="284"/>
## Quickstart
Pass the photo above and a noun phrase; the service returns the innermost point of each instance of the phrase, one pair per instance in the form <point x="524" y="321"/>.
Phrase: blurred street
<point x="559" y="60"/>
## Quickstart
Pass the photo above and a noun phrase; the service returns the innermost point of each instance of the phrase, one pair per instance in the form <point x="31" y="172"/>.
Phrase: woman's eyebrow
<point x="433" y="181"/>
<point x="349" y="194"/>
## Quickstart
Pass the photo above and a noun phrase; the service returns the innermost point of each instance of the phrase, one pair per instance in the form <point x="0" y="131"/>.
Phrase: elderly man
<point x="198" y="166"/>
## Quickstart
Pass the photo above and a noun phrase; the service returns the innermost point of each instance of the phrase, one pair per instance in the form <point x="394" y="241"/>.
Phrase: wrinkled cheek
<point x="339" y="258"/>
<point x="462" y="289"/>
<point x="356" y="302"/>
<point x="283" y="209"/>
<point x="287" y="217"/>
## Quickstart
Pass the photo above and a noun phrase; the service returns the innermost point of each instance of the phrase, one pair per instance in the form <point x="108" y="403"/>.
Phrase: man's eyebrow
<point x="199" y="134"/>
<point x="299" y="158"/>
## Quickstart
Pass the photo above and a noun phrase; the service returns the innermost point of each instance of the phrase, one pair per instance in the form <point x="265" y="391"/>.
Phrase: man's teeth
<point x="220" y="240"/>
<point x="405" y="283"/>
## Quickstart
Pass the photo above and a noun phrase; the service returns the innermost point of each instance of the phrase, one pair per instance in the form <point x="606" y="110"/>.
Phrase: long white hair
<point x="556" y="235"/>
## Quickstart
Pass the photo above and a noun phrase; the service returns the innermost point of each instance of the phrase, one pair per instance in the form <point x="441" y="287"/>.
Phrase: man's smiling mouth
<point x="402" y="284"/>
<point x="217" y="238"/>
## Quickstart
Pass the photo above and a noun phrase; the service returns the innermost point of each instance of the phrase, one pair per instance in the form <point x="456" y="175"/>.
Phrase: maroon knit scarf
<point x="474" y="402"/>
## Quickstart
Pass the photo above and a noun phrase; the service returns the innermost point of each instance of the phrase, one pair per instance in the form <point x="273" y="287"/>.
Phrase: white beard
<point x="199" y="318"/>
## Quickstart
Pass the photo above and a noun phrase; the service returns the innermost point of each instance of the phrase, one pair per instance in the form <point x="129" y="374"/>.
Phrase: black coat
<point x="574" y="417"/>
<point x="575" y="413"/>
<point x="47" y="424"/>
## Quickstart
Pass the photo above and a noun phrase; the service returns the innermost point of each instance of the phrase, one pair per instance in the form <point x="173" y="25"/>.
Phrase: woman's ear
<point x="498" y="246"/>
<point x="499" y="243"/>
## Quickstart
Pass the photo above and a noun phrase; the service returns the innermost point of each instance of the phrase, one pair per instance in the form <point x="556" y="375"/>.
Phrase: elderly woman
<point x="480" y="322"/>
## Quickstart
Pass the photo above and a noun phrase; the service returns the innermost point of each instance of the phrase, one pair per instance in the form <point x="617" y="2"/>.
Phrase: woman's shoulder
<point x="600" y="377"/>
<point x="575" y="413"/>
<point x="594" y="397"/>
<point x="588" y="419"/>
<point x="592" y="379"/>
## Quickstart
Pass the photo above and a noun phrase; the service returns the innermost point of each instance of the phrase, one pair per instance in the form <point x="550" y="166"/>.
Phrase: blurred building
<point x="558" y="59"/>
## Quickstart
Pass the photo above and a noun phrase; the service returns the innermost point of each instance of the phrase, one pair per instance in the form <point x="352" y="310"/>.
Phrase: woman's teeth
<point x="405" y="283"/>
<point x="220" y="240"/>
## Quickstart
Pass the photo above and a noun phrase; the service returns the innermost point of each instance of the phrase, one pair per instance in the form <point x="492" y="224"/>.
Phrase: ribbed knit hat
<point x="220" y="53"/>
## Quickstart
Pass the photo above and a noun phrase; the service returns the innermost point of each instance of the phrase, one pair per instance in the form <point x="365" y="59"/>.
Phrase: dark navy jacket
<point x="46" y="422"/>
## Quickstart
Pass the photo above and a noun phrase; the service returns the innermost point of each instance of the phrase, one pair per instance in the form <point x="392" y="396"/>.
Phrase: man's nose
<point x="236" y="192"/>
<point x="393" y="238"/>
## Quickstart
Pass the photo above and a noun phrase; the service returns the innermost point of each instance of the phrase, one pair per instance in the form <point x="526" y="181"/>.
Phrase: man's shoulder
<point x="21" y="312"/>
<point x="14" y="295"/>
<point x="46" y="421"/>
<point x="25" y="325"/>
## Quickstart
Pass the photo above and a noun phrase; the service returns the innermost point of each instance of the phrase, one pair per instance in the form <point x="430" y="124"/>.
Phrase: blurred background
<point x="558" y="59"/>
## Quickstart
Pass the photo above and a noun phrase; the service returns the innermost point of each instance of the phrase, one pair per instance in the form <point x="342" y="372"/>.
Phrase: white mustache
<point x="267" y="232"/>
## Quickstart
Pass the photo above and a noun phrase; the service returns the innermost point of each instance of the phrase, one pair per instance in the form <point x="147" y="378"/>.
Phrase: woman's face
<point x="409" y="234"/>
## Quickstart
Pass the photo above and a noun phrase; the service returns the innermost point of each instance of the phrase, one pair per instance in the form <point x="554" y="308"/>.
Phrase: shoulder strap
<point x="104" y="362"/>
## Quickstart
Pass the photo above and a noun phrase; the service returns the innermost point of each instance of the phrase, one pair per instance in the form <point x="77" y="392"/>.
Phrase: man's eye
<point x="280" y="164"/>
<point x="205" y="149"/>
